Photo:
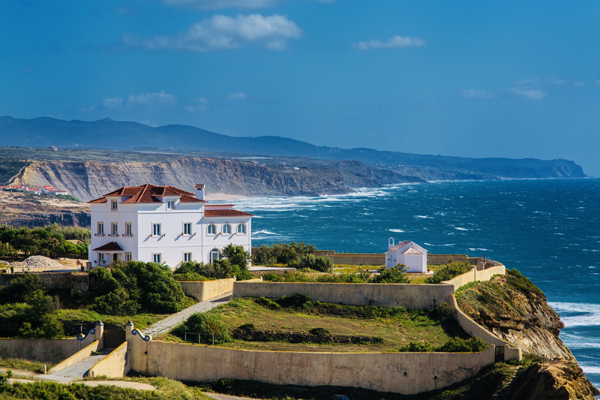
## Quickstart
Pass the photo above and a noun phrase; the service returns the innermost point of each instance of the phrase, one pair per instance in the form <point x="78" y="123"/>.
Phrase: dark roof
<point x="112" y="246"/>
<point x="148" y="194"/>
<point x="226" y="213"/>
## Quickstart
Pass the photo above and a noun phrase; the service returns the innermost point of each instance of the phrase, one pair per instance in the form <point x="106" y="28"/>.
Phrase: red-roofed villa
<point x="165" y="225"/>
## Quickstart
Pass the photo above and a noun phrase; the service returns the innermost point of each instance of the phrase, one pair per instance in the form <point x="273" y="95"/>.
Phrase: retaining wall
<point x="360" y="294"/>
<point x="44" y="350"/>
<point x="474" y="275"/>
<point x="406" y="373"/>
<point x="75" y="358"/>
<point x="114" y="365"/>
<point x="206" y="290"/>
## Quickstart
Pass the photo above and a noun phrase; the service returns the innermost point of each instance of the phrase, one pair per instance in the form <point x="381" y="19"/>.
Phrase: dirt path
<point x="165" y="325"/>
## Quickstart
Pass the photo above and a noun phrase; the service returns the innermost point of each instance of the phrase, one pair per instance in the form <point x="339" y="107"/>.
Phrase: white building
<point x="408" y="253"/>
<point x="165" y="225"/>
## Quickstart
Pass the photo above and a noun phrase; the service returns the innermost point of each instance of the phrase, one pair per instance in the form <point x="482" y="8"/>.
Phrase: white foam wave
<point x="396" y="230"/>
<point x="589" y="369"/>
<point x="587" y="314"/>
<point x="440" y="245"/>
<point x="423" y="216"/>
<point x="458" y="228"/>
<point x="264" y="232"/>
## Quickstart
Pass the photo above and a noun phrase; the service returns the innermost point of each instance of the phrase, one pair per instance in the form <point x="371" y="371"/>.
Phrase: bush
<point x="236" y="255"/>
<point x="458" y="345"/>
<point x="449" y="271"/>
<point x="49" y="326"/>
<point x="282" y="253"/>
<point x="190" y="276"/>
<point x="416" y="347"/>
<point x="308" y="261"/>
<point x="48" y="241"/>
<point x="205" y="324"/>
<point x="319" y="331"/>
<point x="445" y="312"/>
<point x="220" y="269"/>
<point x="392" y="275"/>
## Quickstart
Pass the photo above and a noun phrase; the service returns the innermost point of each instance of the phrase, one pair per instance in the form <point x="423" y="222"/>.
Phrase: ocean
<point x="547" y="229"/>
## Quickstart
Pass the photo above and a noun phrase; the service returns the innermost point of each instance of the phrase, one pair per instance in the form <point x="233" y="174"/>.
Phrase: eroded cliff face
<point x="89" y="180"/>
<point x="513" y="308"/>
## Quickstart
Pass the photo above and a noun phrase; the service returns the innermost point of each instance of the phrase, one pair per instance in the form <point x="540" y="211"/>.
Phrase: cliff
<point x="514" y="309"/>
<point x="91" y="179"/>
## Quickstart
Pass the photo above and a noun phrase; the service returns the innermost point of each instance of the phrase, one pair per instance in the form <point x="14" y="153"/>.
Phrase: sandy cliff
<point x="89" y="180"/>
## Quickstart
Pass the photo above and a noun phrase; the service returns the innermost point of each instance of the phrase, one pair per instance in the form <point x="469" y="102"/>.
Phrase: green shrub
<point x="247" y="327"/>
<point x="190" y="276"/>
<point x="49" y="326"/>
<point x="391" y="275"/>
<point x="205" y="324"/>
<point x="267" y="303"/>
<point x="282" y="253"/>
<point x="308" y="261"/>
<point x="416" y="347"/>
<point x="458" y="345"/>
<point x="449" y="271"/>
<point x="236" y="255"/>
<point x="319" y="331"/>
<point x="445" y="312"/>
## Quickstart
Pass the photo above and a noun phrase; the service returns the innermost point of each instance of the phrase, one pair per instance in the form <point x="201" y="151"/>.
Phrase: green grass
<point x="25" y="365"/>
<point x="397" y="326"/>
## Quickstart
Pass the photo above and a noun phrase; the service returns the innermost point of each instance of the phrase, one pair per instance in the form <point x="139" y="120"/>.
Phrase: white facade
<point x="408" y="253"/>
<point x="168" y="226"/>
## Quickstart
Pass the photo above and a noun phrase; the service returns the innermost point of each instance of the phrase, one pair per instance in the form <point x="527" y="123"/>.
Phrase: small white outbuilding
<point x="408" y="253"/>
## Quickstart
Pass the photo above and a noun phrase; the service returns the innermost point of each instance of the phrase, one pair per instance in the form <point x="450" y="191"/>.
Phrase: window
<point x="241" y="228"/>
<point x="100" y="258"/>
<point x="100" y="228"/>
<point x="187" y="257"/>
<point x="128" y="229"/>
<point x="187" y="228"/>
<point x="114" y="229"/>
<point x="156" y="230"/>
<point x="226" y="229"/>
<point x="170" y="205"/>
<point x="157" y="257"/>
<point x="214" y="255"/>
<point x="127" y="257"/>
<point x="212" y="229"/>
<point x="114" y="204"/>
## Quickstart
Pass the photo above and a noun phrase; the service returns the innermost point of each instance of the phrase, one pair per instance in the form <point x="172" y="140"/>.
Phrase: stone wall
<point x="75" y="358"/>
<point x="206" y="290"/>
<point x="406" y="373"/>
<point x="474" y="275"/>
<point x="114" y="365"/>
<point x="375" y="294"/>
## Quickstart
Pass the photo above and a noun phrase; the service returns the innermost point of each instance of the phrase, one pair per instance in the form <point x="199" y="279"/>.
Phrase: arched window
<point x="226" y="229"/>
<point x="241" y="228"/>
<point x="214" y="255"/>
<point x="212" y="229"/>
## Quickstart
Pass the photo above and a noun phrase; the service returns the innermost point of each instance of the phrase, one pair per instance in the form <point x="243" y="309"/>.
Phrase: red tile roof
<point x="226" y="213"/>
<point x="112" y="246"/>
<point x="148" y="194"/>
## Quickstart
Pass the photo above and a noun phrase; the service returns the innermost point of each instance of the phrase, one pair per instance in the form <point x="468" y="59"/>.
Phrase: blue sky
<point x="466" y="78"/>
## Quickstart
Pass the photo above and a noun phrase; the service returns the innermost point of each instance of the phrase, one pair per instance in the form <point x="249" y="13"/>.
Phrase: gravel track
<point x="165" y="325"/>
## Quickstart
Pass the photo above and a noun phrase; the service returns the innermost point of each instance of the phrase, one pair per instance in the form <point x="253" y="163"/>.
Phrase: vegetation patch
<point x="50" y="241"/>
<point x="24" y="365"/>
<point x="280" y="253"/>
<point x="296" y="323"/>
<point x="449" y="271"/>
<point x="392" y="275"/>
<point x="234" y="264"/>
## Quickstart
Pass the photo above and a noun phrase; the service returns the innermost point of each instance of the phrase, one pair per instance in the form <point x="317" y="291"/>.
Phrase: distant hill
<point x="109" y="134"/>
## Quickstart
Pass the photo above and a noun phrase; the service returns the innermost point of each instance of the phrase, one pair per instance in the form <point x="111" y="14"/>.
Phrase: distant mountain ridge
<point x="106" y="133"/>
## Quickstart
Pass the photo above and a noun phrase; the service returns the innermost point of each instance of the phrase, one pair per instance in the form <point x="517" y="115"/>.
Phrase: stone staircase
<point x="506" y="391"/>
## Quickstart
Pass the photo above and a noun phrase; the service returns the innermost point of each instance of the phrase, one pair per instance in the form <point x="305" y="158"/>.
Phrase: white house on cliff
<point x="408" y="253"/>
<point x="165" y="225"/>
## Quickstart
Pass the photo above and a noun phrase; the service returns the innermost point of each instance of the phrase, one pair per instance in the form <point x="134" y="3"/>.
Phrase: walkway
<point x="78" y="370"/>
<point x="225" y="397"/>
<point x="165" y="325"/>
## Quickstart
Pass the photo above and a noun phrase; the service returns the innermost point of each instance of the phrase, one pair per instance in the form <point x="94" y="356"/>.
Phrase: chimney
<point x="199" y="191"/>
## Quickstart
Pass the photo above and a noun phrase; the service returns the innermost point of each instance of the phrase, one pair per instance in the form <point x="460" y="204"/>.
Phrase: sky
<point x="463" y="78"/>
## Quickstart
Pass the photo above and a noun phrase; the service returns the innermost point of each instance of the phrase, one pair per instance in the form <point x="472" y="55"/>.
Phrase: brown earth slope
<point x="89" y="180"/>
<point x="513" y="308"/>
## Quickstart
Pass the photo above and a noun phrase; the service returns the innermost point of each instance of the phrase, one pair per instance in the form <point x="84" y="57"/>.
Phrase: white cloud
<point x="223" y="32"/>
<point x="578" y="83"/>
<point x="545" y="80"/>
<point x="533" y="94"/>
<point x="114" y="102"/>
<point x="201" y="105"/>
<point x="220" y="4"/>
<point x="151" y="99"/>
<point x="476" y="94"/>
<point x="395" y="42"/>
<point x="237" y="96"/>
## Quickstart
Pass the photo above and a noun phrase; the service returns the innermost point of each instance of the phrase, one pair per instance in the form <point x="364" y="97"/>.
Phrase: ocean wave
<point x="423" y="216"/>
<point x="458" y="228"/>
<point x="586" y="314"/>
<point x="263" y="232"/>
<point x="396" y="230"/>
<point x="590" y="369"/>
<point x="440" y="245"/>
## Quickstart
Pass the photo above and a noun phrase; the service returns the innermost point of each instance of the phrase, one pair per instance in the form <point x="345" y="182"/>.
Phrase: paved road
<point x="165" y="325"/>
